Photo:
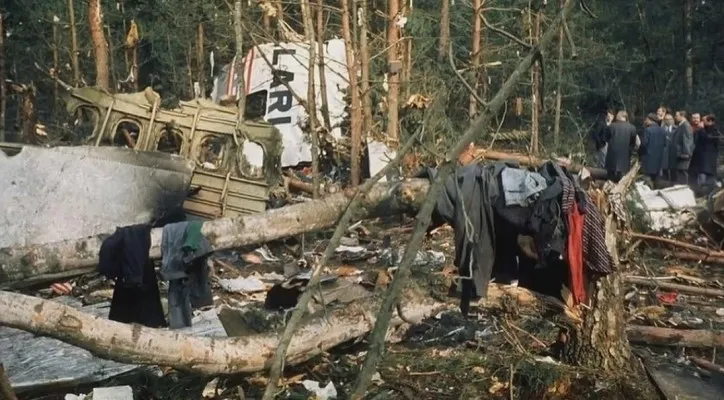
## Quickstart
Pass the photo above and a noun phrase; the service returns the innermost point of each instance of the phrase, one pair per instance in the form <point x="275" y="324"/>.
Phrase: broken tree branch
<point x="6" y="389"/>
<point x="136" y="344"/>
<point x="505" y="33"/>
<point x="675" y="286"/>
<point x="677" y="243"/>
<point x="277" y="366"/>
<point x="24" y="266"/>
<point x="685" y="255"/>
<point x="476" y="128"/>
<point x="529" y="160"/>
<point x="675" y="337"/>
<point x="462" y="79"/>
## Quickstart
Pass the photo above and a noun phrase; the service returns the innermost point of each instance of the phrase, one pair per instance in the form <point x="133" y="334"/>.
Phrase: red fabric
<point x="574" y="247"/>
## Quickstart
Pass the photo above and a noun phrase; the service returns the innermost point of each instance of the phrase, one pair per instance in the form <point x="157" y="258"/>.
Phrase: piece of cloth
<point x="124" y="255"/>
<point x="681" y="147"/>
<point x="621" y="138"/>
<point x="466" y="203"/>
<point x="574" y="251"/>
<point x="669" y="131"/>
<point x="521" y="187"/>
<point x="185" y="250"/>
<point x="652" y="150"/>
<point x="138" y="304"/>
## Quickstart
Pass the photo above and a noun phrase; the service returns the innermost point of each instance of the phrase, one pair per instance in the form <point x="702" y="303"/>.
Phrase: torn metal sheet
<point x="66" y="193"/>
<point x="36" y="363"/>
<point x="265" y="66"/>
<point x="668" y="209"/>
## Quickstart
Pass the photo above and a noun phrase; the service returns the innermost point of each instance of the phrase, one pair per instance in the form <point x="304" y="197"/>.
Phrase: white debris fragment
<point x="321" y="393"/>
<point x="720" y="312"/>
<point x="668" y="209"/>
<point x="242" y="285"/>
<point x="210" y="388"/>
<point x="71" y="396"/>
<point x="113" y="393"/>
<point x="547" y="360"/>
<point x="350" y="249"/>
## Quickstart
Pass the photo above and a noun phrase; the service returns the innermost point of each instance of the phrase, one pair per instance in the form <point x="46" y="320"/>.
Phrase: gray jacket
<point x="681" y="146"/>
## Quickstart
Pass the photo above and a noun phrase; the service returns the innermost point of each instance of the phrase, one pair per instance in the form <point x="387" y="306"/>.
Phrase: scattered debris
<point x="321" y="393"/>
<point x="668" y="210"/>
<point x="242" y="285"/>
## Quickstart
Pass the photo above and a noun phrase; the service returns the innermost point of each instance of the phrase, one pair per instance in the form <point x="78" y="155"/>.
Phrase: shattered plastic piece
<point x="113" y="393"/>
<point x="350" y="249"/>
<point x="327" y="392"/>
<point x="210" y="388"/>
<point x="266" y="254"/>
<point x="71" y="396"/>
<point x="547" y="360"/>
<point x="242" y="285"/>
<point x="668" y="298"/>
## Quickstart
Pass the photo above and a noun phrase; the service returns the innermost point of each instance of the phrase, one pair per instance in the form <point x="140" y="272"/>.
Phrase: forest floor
<point x="502" y="353"/>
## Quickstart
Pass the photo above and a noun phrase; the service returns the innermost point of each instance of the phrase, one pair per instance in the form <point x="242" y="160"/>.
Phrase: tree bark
<point x="100" y="46"/>
<point x="56" y="61"/>
<point x="23" y="266"/>
<point x="535" y="87"/>
<point x="356" y="112"/>
<point x="675" y="337"/>
<point x="74" y="52"/>
<point x="311" y="93"/>
<point x="201" y="61"/>
<point x="559" y="85"/>
<point x="393" y="73"/>
<point x="444" y="44"/>
<point x="688" y="50"/>
<point x="599" y="342"/>
<point x="6" y="389"/>
<point x="3" y="84"/>
<point x="365" y="66"/>
<point x="476" y="56"/>
<point x="239" y="64"/>
<point x="136" y="344"/>
<point x="322" y="69"/>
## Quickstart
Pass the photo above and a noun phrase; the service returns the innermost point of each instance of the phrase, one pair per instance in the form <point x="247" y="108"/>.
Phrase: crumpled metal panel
<point x="65" y="193"/>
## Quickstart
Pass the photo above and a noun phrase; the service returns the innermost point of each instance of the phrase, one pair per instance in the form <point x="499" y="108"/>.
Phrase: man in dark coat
<point x="669" y="128"/>
<point x="680" y="149"/>
<point x="621" y="139"/>
<point x="707" y="144"/>
<point x="598" y="134"/>
<point x="696" y="125"/>
<point x="652" y="148"/>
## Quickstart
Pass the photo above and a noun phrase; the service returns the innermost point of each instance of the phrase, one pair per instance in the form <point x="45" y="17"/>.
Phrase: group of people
<point x="671" y="148"/>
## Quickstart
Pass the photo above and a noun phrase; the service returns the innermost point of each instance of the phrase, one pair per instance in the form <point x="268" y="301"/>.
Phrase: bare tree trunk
<point x="599" y="341"/>
<point x="113" y="78"/>
<point x="239" y="64"/>
<point x="74" y="52"/>
<point x="559" y="85"/>
<point x="311" y="93"/>
<point x="3" y="84"/>
<point x="356" y="117"/>
<point x="322" y="69"/>
<point x="535" y="86"/>
<point x="22" y="266"/>
<point x="688" y="48"/>
<point x="444" y="43"/>
<point x="6" y="389"/>
<point x="364" y="54"/>
<point x="136" y="344"/>
<point x="122" y="8"/>
<point x="189" y="70"/>
<point x="100" y="46"/>
<point x="393" y="73"/>
<point x="132" y="39"/>
<point x="476" y="55"/>
<point x="200" y="60"/>
<point x="56" y="60"/>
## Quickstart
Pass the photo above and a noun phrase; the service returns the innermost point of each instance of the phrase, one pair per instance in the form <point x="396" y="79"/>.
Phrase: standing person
<point x="680" y="149"/>
<point x="696" y="126"/>
<point x="669" y="129"/>
<point x="707" y="142"/>
<point x="661" y="114"/>
<point x="621" y="139"/>
<point x="652" y="148"/>
<point x="599" y="134"/>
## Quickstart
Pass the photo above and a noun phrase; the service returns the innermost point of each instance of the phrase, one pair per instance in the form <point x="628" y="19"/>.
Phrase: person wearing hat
<point x="653" y="145"/>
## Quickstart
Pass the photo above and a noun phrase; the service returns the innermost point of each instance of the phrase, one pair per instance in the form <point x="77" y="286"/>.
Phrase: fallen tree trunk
<point x="24" y="266"/>
<point x="528" y="160"/>
<point x="675" y="286"/>
<point x="136" y="344"/>
<point x="697" y="257"/>
<point x="675" y="337"/>
<point x="703" y="251"/>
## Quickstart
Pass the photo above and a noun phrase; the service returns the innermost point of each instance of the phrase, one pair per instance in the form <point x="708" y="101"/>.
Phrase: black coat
<point x="707" y="150"/>
<point x="681" y="147"/>
<point x="621" y="139"/>
<point x="653" y="145"/>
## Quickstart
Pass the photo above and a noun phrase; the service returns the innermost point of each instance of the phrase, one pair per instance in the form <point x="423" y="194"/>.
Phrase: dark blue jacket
<point x="653" y="146"/>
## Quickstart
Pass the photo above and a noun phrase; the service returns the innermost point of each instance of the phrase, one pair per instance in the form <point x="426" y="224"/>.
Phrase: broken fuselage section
<point x="237" y="165"/>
